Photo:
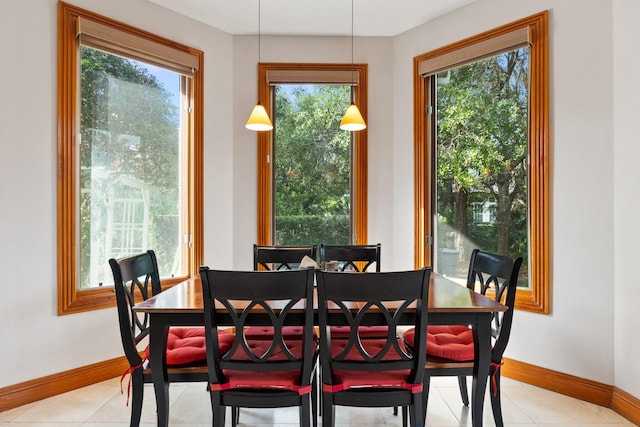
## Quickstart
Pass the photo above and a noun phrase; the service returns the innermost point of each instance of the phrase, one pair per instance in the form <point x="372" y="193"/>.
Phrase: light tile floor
<point x="102" y="405"/>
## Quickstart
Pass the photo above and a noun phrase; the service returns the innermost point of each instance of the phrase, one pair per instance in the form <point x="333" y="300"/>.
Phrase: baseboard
<point x="626" y="405"/>
<point x="590" y="391"/>
<point x="41" y="388"/>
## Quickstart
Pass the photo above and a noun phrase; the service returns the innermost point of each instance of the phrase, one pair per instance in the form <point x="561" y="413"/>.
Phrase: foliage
<point x="309" y="229"/>
<point x="482" y="153"/>
<point x="117" y="96"/>
<point x="312" y="165"/>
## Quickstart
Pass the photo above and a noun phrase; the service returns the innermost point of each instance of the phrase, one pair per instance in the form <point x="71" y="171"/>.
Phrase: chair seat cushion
<point x="453" y="342"/>
<point x="371" y="346"/>
<point x="187" y="345"/>
<point x="266" y="332"/>
<point x="369" y="379"/>
<point x="363" y="331"/>
<point x="268" y="380"/>
<point x="260" y="347"/>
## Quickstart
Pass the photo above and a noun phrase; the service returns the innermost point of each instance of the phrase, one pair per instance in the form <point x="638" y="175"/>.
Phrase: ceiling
<point x="317" y="17"/>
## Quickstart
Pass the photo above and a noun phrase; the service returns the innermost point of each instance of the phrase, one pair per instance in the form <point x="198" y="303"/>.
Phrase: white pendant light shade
<point x="352" y="120"/>
<point x="259" y="119"/>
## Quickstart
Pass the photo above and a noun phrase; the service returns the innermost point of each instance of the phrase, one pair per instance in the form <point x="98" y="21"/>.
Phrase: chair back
<point x="359" y="299"/>
<point x="348" y="256"/>
<point x="267" y="298"/>
<point x="281" y="257"/>
<point x="134" y="278"/>
<point x="500" y="274"/>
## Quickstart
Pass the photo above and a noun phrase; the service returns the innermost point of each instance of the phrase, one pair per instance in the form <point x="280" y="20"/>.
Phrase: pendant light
<point x="352" y="120"/>
<point x="259" y="119"/>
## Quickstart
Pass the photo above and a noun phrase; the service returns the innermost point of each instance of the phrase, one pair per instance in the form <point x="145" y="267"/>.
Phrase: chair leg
<point x="314" y="402"/>
<point x="426" y="383"/>
<point x="405" y="415"/>
<point x="235" y="416"/>
<point x="317" y="379"/>
<point x="417" y="420"/>
<point x="219" y="411"/>
<point x="494" y="390"/>
<point x="305" y="412"/>
<point x="395" y="411"/>
<point x="328" y="411"/>
<point x="137" y="395"/>
<point x="464" y="393"/>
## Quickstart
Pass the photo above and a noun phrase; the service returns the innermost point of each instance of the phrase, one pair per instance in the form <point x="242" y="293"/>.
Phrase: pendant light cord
<point x="352" y="71"/>
<point x="352" y="36"/>
<point x="259" y="13"/>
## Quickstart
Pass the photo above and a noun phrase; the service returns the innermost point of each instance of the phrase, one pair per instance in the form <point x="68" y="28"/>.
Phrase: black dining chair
<point x="269" y="372"/>
<point x="372" y="372"/>
<point x="136" y="278"/>
<point x="351" y="257"/>
<point x="450" y="349"/>
<point x="281" y="257"/>
<point x="278" y="258"/>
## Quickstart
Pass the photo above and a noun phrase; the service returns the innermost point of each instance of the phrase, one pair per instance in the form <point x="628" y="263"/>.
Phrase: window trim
<point x="536" y="299"/>
<point x="70" y="299"/>
<point x="310" y="73"/>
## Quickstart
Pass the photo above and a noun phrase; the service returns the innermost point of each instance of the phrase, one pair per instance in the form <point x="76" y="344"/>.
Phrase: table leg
<point x="158" y="362"/>
<point x="482" y="337"/>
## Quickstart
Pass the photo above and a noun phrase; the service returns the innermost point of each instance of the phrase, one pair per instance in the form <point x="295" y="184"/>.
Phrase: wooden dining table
<point x="449" y="304"/>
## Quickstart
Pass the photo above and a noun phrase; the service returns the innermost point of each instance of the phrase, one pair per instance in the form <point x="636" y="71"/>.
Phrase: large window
<point x="312" y="162"/>
<point x="482" y="154"/>
<point x="312" y="176"/>
<point x="126" y="180"/>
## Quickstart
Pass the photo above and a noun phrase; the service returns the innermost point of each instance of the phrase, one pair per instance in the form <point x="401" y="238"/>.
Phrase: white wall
<point x="626" y="110"/>
<point x="37" y="342"/>
<point x="577" y="337"/>
<point x="592" y="292"/>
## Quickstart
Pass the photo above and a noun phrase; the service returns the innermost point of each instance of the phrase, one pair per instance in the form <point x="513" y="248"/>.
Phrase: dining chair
<point x="278" y="258"/>
<point x="450" y="349"/>
<point x="372" y="372"/>
<point x="281" y="257"/>
<point x="351" y="257"/>
<point x="264" y="373"/>
<point x="136" y="278"/>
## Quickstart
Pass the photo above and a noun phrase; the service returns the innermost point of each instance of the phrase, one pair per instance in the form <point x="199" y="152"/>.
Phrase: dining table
<point x="449" y="304"/>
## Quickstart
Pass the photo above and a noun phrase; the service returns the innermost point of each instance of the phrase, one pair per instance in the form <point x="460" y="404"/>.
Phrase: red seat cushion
<point x="371" y="346"/>
<point x="271" y="380"/>
<point x="266" y="332"/>
<point x="187" y="345"/>
<point x="368" y="379"/>
<point x="363" y="331"/>
<point x="453" y="342"/>
<point x="261" y="347"/>
<point x="344" y="380"/>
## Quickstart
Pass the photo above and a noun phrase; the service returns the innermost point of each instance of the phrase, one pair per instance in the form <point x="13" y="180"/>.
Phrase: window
<point x="312" y="162"/>
<point x="130" y="131"/>
<point x="323" y="87"/>
<point x="481" y="154"/>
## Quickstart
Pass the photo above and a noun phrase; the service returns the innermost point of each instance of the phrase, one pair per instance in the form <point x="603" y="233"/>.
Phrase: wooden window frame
<point x="70" y="298"/>
<point x="536" y="298"/>
<point x="312" y="73"/>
